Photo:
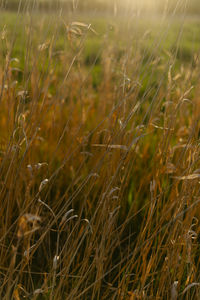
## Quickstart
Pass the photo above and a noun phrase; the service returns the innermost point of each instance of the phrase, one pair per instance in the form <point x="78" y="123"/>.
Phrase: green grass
<point x="167" y="33"/>
<point x="99" y="152"/>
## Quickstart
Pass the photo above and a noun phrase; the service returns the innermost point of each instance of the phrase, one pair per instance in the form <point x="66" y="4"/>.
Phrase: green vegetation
<point x="99" y="153"/>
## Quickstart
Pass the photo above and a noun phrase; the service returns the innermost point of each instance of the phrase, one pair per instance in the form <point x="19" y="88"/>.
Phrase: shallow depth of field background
<point x="99" y="149"/>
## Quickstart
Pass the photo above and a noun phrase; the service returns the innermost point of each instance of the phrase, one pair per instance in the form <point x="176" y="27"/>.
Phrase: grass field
<point x="99" y="154"/>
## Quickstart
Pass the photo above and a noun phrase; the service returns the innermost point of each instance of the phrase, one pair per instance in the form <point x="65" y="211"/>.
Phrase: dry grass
<point x="99" y="180"/>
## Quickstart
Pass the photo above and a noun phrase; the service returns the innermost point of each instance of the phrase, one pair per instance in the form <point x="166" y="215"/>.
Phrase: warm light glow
<point x="144" y="3"/>
<point x="151" y="5"/>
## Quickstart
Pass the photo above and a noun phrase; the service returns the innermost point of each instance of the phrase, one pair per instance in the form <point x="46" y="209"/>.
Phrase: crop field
<point x="99" y="150"/>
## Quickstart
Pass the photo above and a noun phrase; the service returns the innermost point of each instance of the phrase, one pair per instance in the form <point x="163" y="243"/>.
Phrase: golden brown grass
<point x="99" y="182"/>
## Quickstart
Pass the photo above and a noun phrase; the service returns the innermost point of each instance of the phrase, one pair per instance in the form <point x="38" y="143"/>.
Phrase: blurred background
<point x="113" y="6"/>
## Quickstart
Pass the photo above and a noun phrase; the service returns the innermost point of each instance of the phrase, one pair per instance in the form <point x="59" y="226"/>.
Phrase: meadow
<point x="99" y="152"/>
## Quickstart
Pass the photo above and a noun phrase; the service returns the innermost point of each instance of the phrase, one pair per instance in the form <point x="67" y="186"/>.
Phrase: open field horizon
<point x="112" y="6"/>
<point x="99" y="151"/>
